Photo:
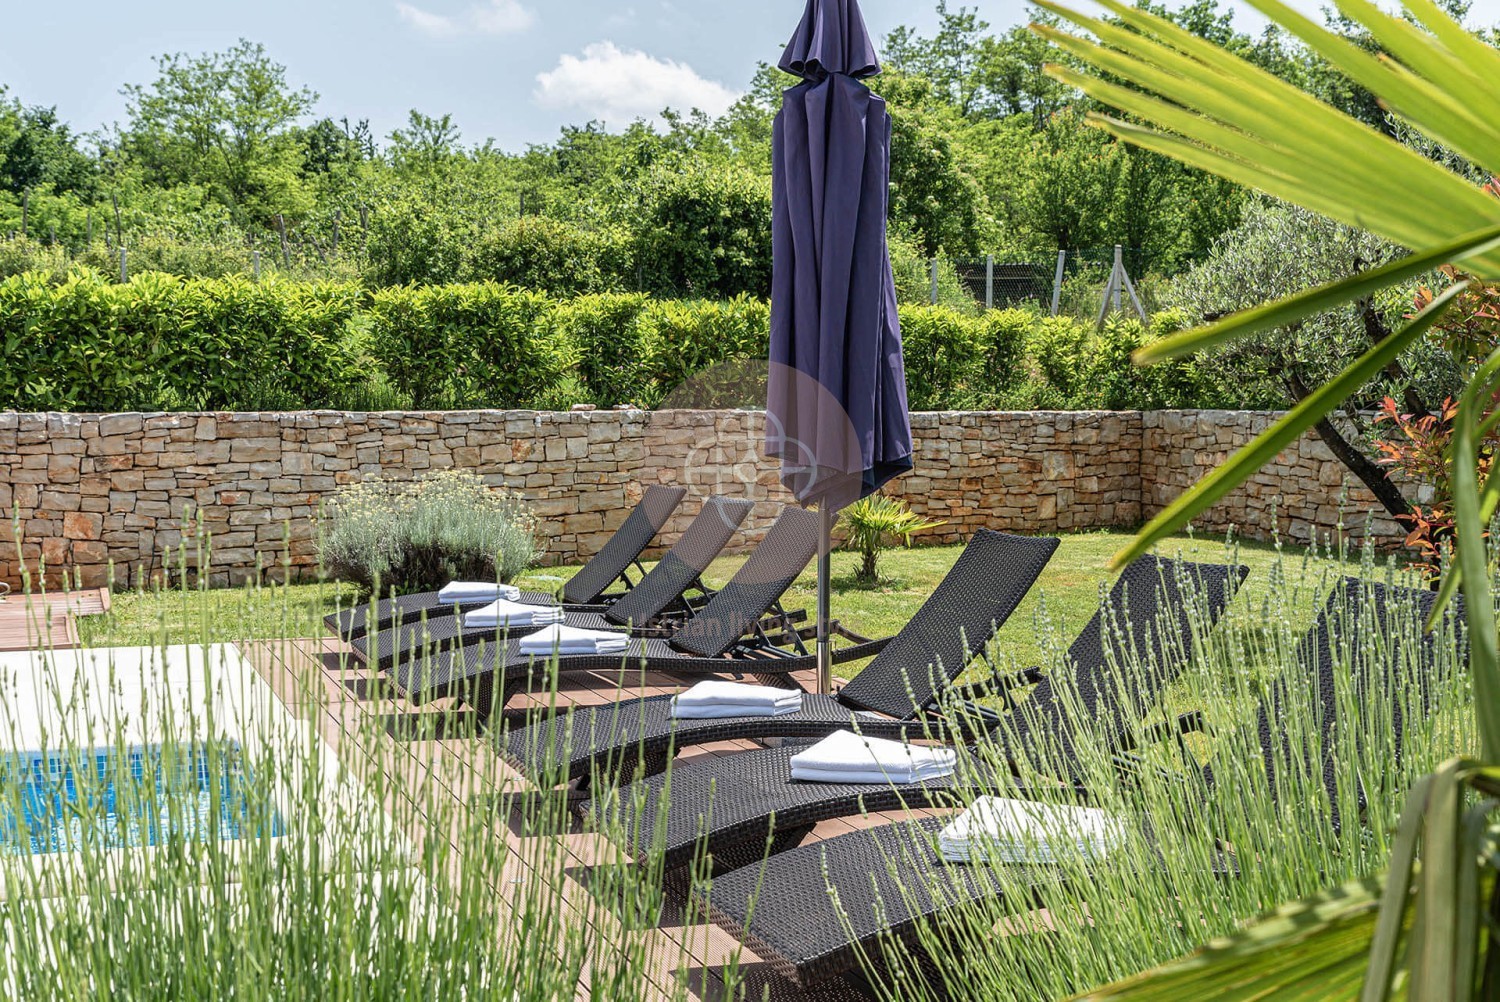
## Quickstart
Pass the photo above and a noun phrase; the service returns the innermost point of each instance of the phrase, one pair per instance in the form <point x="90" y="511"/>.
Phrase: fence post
<point x="338" y="214"/>
<point x="1057" y="280"/>
<point x="124" y="267"/>
<point x="934" y="281"/>
<point x="1116" y="279"/>
<point x="255" y="263"/>
<point x="286" y="255"/>
<point x="989" y="281"/>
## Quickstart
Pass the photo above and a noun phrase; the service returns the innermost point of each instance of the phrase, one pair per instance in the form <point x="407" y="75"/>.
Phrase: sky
<point x="514" y="71"/>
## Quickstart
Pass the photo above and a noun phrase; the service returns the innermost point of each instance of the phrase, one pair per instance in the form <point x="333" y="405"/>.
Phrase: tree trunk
<point x="868" y="572"/>
<point x="1371" y="475"/>
<point x="1377" y="332"/>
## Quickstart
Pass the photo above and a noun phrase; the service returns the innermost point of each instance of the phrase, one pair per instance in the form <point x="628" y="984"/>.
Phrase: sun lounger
<point x="731" y="806"/>
<point x="891" y="880"/>
<point x="588" y="588"/>
<point x="903" y="683"/>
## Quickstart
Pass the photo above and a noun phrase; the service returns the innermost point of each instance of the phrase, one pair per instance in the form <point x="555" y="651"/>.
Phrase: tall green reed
<point x="1199" y="856"/>
<point x="402" y="869"/>
<point x="411" y="867"/>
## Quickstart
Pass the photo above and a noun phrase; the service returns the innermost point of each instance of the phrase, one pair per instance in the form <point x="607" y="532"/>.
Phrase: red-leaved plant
<point x="1419" y="451"/>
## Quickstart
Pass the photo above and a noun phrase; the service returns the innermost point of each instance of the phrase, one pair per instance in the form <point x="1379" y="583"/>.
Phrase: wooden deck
<point x="343" y="698"/>
<point x="47" y="621"/>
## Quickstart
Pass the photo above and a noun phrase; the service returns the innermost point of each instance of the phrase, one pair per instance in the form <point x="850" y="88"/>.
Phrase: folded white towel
<point x="846" y="757"/>
<point x="511" y="615"/>
<point x="713" y="699"/>
<point x="473" y="592"/>
<point x="1022" y="831"/>
<point x="571" y="640"/>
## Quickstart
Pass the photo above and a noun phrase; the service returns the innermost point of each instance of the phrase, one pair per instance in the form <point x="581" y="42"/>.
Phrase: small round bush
<point x="419" y="535"/>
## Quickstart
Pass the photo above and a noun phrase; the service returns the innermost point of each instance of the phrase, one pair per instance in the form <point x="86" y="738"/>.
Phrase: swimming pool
<point x="108" y="799"/>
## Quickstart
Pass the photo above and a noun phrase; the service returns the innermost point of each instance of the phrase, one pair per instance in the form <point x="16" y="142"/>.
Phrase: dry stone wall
<point x="126" y="494"/>
<point x="1304" y="491"/>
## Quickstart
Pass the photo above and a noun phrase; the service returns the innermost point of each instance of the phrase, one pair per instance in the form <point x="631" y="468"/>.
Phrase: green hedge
<point x="167" y="343"/>
<point x="459" y="346"/>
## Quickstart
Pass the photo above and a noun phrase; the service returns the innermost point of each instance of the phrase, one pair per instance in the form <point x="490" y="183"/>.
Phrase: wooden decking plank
<point x="31" y="626"/>
<point x="437" y="773"/>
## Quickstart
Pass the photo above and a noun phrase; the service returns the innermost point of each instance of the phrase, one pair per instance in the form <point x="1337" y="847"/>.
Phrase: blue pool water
<point x="58" y="802"/>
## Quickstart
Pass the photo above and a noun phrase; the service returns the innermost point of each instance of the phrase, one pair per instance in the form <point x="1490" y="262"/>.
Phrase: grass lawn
<point x="1065" y="598"/>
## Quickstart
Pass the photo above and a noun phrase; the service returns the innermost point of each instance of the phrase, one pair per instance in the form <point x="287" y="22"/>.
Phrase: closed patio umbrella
<point x="836" y="396"/>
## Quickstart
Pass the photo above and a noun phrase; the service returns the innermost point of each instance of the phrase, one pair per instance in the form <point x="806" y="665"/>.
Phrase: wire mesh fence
<point x="998" y="283"/>
<point x="1070" y="283"/>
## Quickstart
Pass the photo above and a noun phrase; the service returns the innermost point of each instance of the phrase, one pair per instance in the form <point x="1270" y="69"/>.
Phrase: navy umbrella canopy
<point x="836" y="395"/>
<point x="836" y="399"/>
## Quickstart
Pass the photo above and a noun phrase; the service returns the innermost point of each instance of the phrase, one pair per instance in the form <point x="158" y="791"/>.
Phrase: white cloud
<point x="493" y="17"/>
<point x="620" y="86"/>
<point x="428" y="23"/>
<point x="501" y="17"/>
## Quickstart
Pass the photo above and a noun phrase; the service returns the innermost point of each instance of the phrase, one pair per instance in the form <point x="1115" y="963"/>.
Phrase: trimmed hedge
<point x="230" y="344"/>
<point x="166" y="343"/>
<point x="461" y="346"/>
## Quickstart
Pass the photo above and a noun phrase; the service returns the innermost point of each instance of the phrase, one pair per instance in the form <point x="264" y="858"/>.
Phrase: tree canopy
<point x="222" y="154"/>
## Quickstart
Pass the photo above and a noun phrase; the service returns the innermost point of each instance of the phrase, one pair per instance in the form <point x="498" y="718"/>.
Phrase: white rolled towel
<point x="713" y="699"/>
<point x="572" y="640"/>
<point x="511" y="615"/>
<point x="474" y="592"/>
<point x="1002" y="830"/>
<point x="846" y="757"/>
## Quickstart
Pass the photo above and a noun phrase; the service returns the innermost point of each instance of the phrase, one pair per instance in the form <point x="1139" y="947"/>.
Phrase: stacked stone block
<point x="133" y="494"/>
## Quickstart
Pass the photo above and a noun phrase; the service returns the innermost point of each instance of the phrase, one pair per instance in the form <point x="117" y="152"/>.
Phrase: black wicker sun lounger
<point x="891" y="881"/>
<point x="734" y="634"/>
<point x="891" y="695"/>
<point x="589" y="588"/>
<point x="652" y="608"/>
<point x="730" y="807"/>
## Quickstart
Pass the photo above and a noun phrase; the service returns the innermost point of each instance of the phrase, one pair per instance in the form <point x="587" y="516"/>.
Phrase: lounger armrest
<point x="999" y="684"/>
<point x="1187" y="723"/>
<point x="856" y="652"/>
<point x="1131" y="767"/>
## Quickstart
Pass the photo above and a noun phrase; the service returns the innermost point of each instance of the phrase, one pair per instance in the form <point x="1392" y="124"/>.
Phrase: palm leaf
<point x="1237" y="120"/>
<point x="1314" y="949"/>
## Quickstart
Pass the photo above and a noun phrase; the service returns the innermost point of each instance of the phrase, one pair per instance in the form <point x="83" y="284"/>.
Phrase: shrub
<point x="1003" y="339"/>
<point x="913" y="276"/>
<point x="75" y="346"/>
<point x="19" y="255"/>
<point x="418" y="536"/>
<point x="161" y="342"/>
<point x="605" y="335"/>
<point x="681" y="340"/>
<point x="545" y="255"/>
<point x="80" y="342"/>
<point x="944" y="351"/>
<point x="455" y="346"/>
<point x="705" y="233"/>
<point x="870" y="525"/>
<point x="266" y="345"/>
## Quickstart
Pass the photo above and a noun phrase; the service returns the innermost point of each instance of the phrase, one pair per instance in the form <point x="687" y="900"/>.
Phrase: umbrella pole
<point x="825" y="651"/>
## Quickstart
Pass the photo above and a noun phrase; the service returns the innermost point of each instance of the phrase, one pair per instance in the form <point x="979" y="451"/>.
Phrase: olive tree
<point x="1279" y="249"/>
